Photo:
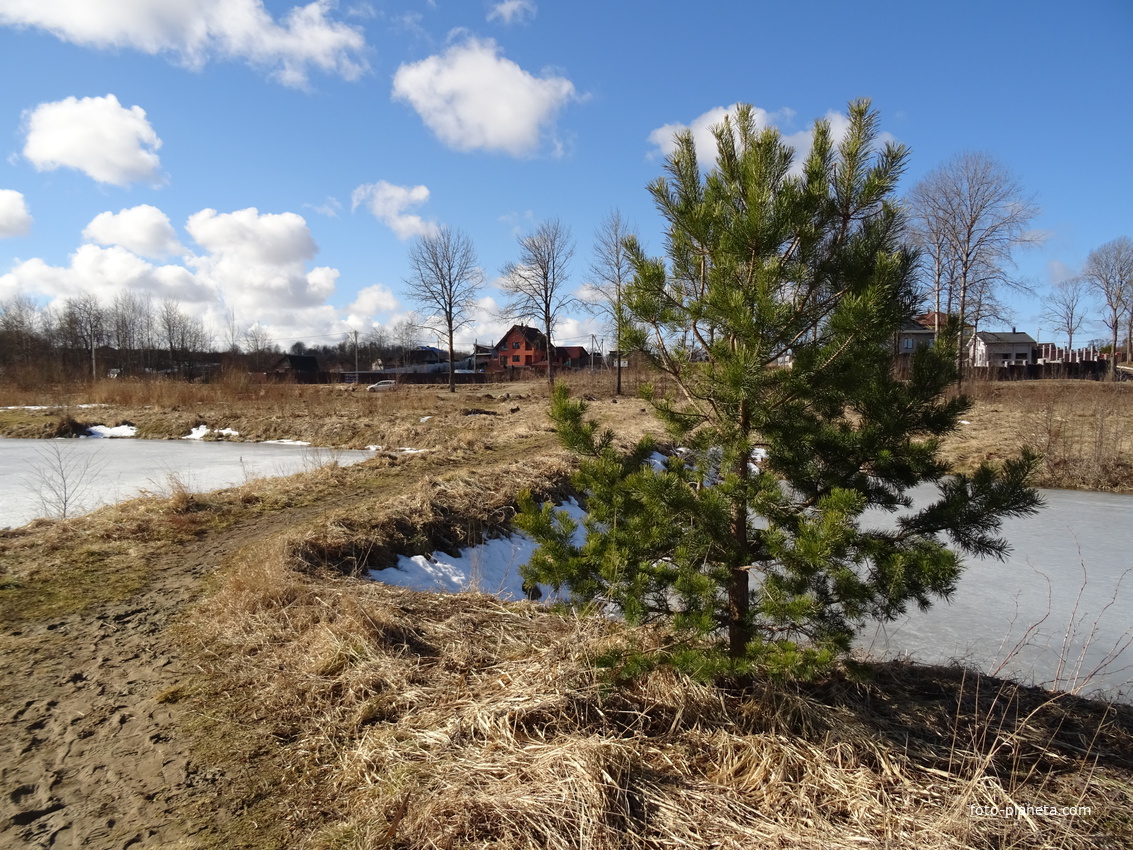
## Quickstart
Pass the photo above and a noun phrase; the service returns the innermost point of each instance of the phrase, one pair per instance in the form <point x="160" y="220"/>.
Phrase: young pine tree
<point x="774" y="316"/>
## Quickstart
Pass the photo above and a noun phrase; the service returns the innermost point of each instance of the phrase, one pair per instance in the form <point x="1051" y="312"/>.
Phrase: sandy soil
<point x="96" y="737"/>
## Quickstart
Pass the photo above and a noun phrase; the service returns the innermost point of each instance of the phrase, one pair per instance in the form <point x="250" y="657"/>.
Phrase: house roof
<point x="1011" y="337"/>
<point x="571" y="351"/>
<point x="914" y="326"/>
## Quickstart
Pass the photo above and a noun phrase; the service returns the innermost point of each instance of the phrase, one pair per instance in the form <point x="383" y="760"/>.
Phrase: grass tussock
<point x="402" y="719"/>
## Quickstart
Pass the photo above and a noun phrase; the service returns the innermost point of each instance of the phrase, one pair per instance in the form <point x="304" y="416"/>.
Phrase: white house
<point x="988" y="348"/>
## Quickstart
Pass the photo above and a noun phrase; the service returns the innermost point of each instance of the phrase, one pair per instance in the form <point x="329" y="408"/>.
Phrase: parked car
<point x="381" y="385"/>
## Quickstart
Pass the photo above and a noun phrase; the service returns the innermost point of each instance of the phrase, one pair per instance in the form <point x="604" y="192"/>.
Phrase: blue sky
<point x="274" y="162"/>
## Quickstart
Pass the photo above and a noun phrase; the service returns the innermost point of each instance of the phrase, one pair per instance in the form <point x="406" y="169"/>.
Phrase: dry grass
<point x="1082" y="429"/>
<point x="414" y="720"/>
<point x="411" y="720"/>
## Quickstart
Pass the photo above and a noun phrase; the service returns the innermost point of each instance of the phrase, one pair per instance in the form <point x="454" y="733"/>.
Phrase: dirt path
<point x="94" y="757"/>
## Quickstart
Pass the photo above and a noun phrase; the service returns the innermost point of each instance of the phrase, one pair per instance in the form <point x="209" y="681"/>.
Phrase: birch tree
<point x="610" y="273"/>
<point x="1109" y="274"/>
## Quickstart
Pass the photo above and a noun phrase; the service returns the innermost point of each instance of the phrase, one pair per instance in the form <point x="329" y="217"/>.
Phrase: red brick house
<point x="521" y="346"/>
<point x="524" y="347"/>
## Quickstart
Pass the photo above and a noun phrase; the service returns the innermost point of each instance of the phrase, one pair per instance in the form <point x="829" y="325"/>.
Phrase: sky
<point x="271" y="164"/>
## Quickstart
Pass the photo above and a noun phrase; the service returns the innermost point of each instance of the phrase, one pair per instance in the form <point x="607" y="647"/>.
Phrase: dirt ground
<point x="93" y="723"/>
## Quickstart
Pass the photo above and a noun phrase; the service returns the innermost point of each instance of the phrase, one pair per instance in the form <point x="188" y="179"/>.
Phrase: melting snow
<point x="116" y="431"/>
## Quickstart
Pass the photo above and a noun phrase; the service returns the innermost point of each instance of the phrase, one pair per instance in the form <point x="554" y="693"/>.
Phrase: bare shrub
<point x="64" y="477"/>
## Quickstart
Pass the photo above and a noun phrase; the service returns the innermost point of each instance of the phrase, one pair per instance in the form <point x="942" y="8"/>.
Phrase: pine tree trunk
<point x="739" y="596"/>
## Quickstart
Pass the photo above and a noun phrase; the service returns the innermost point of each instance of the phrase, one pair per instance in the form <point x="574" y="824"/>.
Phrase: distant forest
<point x="136" y="336"/>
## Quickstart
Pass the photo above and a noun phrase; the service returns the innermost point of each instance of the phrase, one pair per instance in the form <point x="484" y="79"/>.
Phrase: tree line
<point x="138" y="335"/>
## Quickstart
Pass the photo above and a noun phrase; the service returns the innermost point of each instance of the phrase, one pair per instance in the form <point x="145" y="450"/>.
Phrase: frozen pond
<point x="1058" y="612"/>
<point x="41" y="477"/>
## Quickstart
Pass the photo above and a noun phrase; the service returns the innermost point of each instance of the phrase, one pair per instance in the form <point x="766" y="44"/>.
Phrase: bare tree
<point x="1066" y="307"/>
<point x="969" y="216"/>
<point x="537" y="280"/>
<point x="445" y="281"/>
<point x="19" y="331"/>
<point x="231" y="331"/>
<point x="405" y="335"/>
<point x="169" y="319"/>
<point x="1109" y="274"/>
<point x="85" y="318"/>
<point x="610" y="272"/>
<point x="258" y="345"/>
<point x="65" y="477"/>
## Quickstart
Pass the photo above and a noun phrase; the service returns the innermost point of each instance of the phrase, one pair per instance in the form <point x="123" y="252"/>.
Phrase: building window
<point x="515" y="345"/>
<point x="503" y="360"/>
<point x="515" y="358"/>
<point x="908" y="344"/>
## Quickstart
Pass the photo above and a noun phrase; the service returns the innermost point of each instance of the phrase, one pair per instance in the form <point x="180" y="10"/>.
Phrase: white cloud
<point x="373" y="300"/>
<point x="513" y="11"/>
<point x="474" y="99"/>
<point x="96" y="135"/>
<point x="195" y="31"/>
<point x="15" y="220"/>
<point x="143" y="229"/>
<point x="104" y="272"/>
<point x="259" y="262"/>
<point x="330" y="207"/>
<point x="389" y="202"/>
<point x="254" y="264"/>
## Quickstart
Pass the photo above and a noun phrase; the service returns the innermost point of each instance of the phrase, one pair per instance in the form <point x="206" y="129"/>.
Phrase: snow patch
<point x="102" y="431"/>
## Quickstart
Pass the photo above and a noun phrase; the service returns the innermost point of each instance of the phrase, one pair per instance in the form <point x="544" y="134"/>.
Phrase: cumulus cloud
<point x="96" y="135"/>
<point x="473" y="98"/>
<point x="196" y="31"/>
<point x="389" y="202"/>
<point x="259" y="261"/>
<point x="513" y="11"/>
<point x="143" y="229"/>
<point x="255" y="265"/>
<point x="15" y="220"/>
<point x="373" y="300"/>
<point x="104" y="272"/>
